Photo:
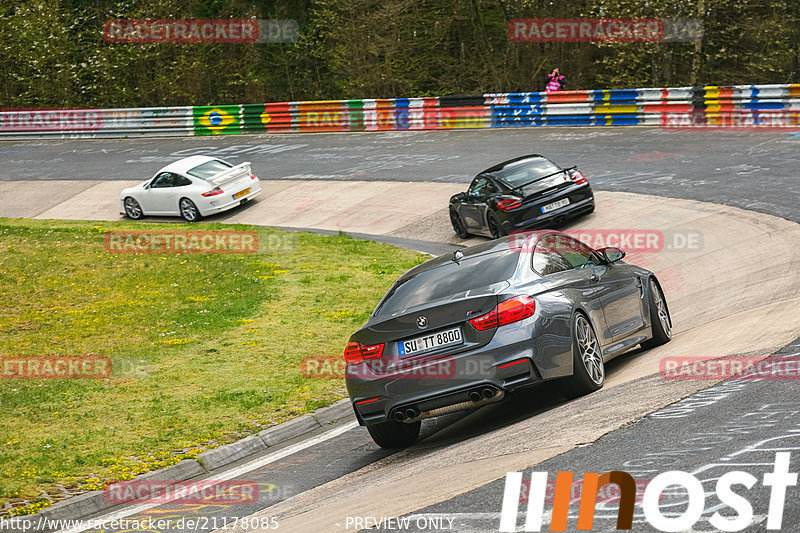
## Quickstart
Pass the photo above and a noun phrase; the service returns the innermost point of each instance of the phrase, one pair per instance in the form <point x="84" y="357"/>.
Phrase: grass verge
<point x="205" y="348"/>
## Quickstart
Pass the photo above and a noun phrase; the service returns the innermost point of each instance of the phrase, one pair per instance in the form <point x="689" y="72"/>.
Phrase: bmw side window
<point x="546" y="260"/>
<point x="180" y="181"/>
<point x="578" y="254"/>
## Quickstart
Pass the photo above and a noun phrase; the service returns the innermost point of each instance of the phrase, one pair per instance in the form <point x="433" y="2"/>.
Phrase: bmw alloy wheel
<point x="661" y="309"/>
<point x="589" y="350"/>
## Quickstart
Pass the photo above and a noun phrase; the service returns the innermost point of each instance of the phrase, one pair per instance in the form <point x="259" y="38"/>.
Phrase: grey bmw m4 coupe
<point x="465" y="329"/>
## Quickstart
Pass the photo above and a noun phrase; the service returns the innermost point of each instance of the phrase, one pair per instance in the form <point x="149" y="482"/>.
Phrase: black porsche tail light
<point x="509" y="204"/>
<point x="578" y="177"/>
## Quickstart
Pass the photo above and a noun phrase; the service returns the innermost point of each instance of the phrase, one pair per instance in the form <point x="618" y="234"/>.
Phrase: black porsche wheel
<point x="588" y="369"/>
<point x="458" y="224"/>
<point x="659" y="317"/>
<point x="494" y="227"/>
<point x="394" y="435"/>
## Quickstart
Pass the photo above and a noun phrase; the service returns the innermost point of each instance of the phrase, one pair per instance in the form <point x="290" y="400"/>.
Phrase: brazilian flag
<point x="217" y="120"/>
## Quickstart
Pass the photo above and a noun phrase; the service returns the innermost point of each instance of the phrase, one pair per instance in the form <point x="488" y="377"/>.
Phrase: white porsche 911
<point x="192" y="187"/>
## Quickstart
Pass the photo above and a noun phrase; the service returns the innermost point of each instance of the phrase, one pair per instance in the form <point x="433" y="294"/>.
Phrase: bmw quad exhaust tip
<point x="477" y="398"/>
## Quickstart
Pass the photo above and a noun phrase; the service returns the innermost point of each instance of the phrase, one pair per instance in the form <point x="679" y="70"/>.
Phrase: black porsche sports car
<point x="523" y="193"/>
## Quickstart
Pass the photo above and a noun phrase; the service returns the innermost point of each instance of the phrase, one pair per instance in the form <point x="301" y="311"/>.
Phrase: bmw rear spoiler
<point x="543" y="177"/>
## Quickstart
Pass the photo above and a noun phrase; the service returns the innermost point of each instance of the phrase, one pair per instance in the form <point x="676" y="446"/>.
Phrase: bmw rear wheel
<point x="588" y="369"/>
<point x="393" y="435"/>
<point x="660" y="320"/>
<point x="132" y="208"/>
<point x="188" y="210"/>
<point x="458" y="224"/>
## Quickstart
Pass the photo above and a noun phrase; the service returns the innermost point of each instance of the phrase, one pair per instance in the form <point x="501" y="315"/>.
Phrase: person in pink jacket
<point x="555" y="82"/>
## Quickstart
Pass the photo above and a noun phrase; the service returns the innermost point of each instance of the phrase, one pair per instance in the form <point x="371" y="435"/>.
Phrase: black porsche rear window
<point x="527" y="171"/>
<point x="451" y="278"/>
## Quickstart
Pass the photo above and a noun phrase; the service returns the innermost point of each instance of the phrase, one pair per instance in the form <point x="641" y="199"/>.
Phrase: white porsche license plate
<point x="555" y="205"/>
<point x="240" y="194"/>
<point x="428" y="342"/>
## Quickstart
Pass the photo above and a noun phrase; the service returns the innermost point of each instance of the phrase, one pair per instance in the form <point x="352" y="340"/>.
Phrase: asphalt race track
<point x="738" y="296"/>
<point x="755" y="170"/>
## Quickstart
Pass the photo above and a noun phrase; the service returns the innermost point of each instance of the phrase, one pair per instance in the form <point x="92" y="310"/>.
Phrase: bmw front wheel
<point x="660" y="320"/>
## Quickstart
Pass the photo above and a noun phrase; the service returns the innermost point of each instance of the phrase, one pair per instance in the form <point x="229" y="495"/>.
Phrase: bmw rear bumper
<point x="435" y="382"/>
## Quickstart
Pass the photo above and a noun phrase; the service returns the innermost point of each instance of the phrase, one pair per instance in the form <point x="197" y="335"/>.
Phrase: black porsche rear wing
<point x="543" y="177"/>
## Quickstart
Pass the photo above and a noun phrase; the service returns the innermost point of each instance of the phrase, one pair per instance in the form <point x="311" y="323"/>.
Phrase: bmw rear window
<point x="209" y="169"/>
<point x="471" y="274"/>
<point x="528" y="171"/>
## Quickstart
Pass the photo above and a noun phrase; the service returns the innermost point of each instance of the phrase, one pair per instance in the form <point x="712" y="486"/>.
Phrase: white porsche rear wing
<point x="234" y="173"/>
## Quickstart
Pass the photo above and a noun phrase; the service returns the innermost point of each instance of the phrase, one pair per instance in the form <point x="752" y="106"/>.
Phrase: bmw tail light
<point x="509" y="204"/>
<point x="507" y="312"/>
<point x="213" y="192"/>
<point x="355" y="352"/>
<point x="578" y="177"/>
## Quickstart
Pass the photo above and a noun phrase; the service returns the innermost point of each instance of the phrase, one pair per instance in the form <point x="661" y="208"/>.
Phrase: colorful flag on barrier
<point x="217" y="120"/>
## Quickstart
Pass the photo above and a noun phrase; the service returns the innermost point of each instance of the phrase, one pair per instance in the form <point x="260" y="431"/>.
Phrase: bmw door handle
<point x="594" y="277"/>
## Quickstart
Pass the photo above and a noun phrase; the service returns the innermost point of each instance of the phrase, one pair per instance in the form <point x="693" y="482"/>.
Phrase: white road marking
<point x="224" y="476"/>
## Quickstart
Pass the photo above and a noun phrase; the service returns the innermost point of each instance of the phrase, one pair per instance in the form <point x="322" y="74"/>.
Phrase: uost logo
<point x="778" y="480"/>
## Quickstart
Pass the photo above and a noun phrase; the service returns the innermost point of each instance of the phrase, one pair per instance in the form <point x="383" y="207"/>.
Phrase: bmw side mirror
<point x="611" y="254"/>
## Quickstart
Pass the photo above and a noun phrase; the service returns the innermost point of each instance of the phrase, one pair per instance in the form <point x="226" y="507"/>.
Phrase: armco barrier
<point x="681" y="107"/>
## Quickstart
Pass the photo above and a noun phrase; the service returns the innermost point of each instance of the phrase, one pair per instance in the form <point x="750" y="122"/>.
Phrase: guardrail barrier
<point x="745" y="106"/>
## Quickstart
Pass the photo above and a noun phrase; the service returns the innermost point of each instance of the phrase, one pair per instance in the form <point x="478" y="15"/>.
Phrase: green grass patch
<point x="205" y="348"/>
